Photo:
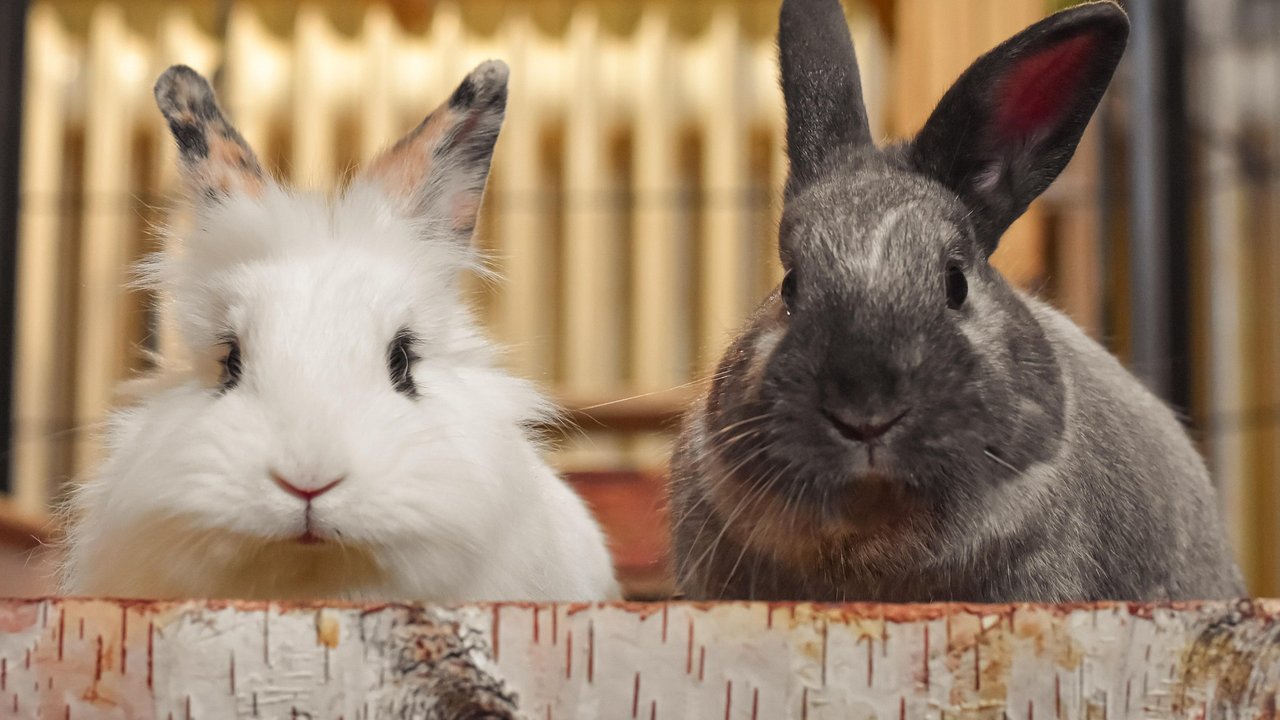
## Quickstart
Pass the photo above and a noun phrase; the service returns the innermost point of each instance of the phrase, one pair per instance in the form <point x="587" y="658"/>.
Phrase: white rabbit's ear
<point x="438" y="171"/>
<point x="216" y="161"/>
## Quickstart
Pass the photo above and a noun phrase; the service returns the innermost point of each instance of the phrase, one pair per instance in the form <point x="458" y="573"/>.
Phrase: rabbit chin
<point x="290" y="570"/>
<point x="815" y="506"/>
<point x="169" y="559"/>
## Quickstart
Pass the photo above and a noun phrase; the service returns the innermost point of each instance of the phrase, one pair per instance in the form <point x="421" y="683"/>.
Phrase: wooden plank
<point x="911" y="67"/>
<point x="593" y="261"/>
<point x="1078" y="248"/>
<point x="659" y="358"/>
<point x="89" y="659"/>
<point x="37" y="392"/>
<point x="524" y="317"/>
<point x="312" y="162"/>
<point x="726" y="259"/>
<point x="1227" y="256"/>
<point x="106" y="246"/>
<point x="592" y="332"/>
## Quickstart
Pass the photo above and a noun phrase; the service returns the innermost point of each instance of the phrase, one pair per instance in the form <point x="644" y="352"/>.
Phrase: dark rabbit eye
<point x="400" y="360"/>
<point x="231" y="364"/>
<point x="789" y="290"/>
<point x="957" y="287"/>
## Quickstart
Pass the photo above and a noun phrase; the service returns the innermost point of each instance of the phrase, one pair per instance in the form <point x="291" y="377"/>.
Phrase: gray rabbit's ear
<point x="825" y="111"/>
<point x="437" y="172"/>
<point x="1010" y="123"/>
<point x="216" y="161"/>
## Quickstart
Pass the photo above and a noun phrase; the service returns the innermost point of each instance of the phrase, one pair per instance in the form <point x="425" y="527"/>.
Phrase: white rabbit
<point x="342" y="431"/>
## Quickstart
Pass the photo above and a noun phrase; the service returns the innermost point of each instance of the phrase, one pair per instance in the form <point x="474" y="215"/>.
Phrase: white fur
<point x="445" y="496"/>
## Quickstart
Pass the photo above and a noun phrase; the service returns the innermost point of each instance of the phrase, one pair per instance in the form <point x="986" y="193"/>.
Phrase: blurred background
<point x="632" y="209"/>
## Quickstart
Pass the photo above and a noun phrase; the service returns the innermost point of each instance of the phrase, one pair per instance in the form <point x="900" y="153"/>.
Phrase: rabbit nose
<point x="307" y="494"/>
<point x="859" y="429"/>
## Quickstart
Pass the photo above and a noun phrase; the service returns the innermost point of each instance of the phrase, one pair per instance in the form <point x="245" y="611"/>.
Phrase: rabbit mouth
<point x="311" y="535"/>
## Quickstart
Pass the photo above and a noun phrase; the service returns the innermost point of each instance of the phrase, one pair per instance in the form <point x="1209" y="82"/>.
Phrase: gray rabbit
<point x="897" y="423"/>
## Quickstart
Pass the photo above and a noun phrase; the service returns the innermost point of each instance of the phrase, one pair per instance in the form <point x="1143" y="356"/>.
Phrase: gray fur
<point x="1021" y="461"/>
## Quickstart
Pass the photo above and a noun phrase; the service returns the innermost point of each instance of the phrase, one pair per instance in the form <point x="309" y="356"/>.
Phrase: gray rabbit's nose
<point x="307" y="494"/>
<point x="862" y="430"/>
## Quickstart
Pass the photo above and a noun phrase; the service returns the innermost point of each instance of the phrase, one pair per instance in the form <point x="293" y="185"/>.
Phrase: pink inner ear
<point x="1041" y="87"/>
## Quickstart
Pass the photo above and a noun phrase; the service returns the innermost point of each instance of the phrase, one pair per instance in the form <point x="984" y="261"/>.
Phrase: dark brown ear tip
<point x="1104" y="14"/>
<point x="181" y="89"/>
<point x="485" y="87"/>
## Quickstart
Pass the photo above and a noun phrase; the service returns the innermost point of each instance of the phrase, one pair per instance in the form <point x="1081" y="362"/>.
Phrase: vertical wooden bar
<point x="873" y="66"/>
<point x="1261" y="275"/>
<point x="312" y="156"/>
<point x="13" y="18"/>
<point x="256" y="76"/>
<point x="911" y="61"/>
<point x="1269" y="359"/>
<point x="593" y="337"/>
<point x="1225" y="263"/>
<point x="105" y="247"/>
<point x="525" y="306"/>
<point x="376" y="104"/>
<point x="660" y="289"/>
<point x="35" y="387"/>
<point x="727" y="269"/>
<point x="1078" y="252"/>
<point x="591" y="356"/>
<point x="660" y="271"/>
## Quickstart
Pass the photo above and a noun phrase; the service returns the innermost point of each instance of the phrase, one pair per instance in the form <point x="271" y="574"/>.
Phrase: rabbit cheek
<point x="747" y="358"/>
<point x="757" y="360"/>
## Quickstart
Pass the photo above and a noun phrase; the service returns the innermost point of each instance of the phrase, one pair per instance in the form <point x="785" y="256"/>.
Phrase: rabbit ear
<point x="437" y="172"/>
<point x="1010" y="123"/>
<point x="215" y="159"/>
<point x="820" y="83"/>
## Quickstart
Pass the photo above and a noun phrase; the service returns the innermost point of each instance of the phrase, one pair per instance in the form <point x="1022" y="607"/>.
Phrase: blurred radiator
<point x="631" y="210"/>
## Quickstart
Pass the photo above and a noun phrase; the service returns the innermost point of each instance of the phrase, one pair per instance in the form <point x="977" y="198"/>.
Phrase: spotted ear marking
<point x="438" y="171"/>
<point x="216" y="161"/>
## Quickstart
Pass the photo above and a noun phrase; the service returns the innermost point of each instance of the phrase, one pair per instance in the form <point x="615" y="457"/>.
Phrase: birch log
<point x="81" y="659"/>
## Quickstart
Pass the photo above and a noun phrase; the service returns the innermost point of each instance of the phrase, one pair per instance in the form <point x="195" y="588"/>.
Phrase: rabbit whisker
<point x="988" y="452"/>
<point x="765" y="489"/>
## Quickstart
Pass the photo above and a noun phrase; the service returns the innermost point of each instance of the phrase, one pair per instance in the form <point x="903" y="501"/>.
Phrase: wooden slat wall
<point x="1235" y="102"/>
<point x="632" y="206"/>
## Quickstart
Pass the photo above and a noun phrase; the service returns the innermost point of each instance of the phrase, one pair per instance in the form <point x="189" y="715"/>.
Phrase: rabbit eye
<point x="400" y="360"/>
<point x="231" y="364"/>
<point x="957" y="287"/>
<point x="789" y="290"/>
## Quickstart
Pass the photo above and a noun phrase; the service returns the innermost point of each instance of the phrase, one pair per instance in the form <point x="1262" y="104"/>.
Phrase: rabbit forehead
<point x="330" y="297"/>
<point x="309" y="261"/>
<point x="283" y="223"/>
<point x="890" y="224"/>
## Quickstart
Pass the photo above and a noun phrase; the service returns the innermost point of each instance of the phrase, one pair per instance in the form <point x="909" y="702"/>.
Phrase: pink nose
<point x="302" y="493"/>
